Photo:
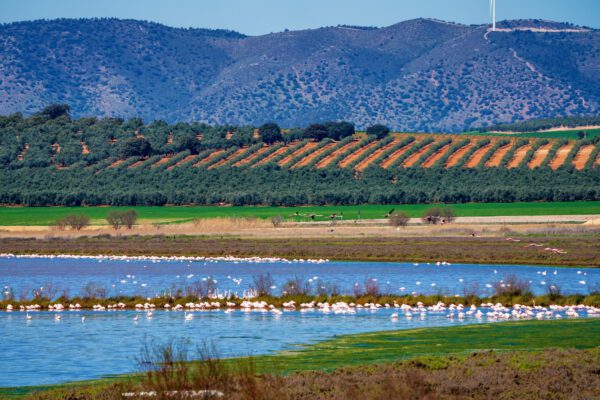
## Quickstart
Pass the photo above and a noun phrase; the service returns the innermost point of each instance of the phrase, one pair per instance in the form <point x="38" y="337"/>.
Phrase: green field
<point x="566" y="134"/>
<point x="391" y="346"/>
<point x="30" y="216"/>
<point x="428" y="345"/>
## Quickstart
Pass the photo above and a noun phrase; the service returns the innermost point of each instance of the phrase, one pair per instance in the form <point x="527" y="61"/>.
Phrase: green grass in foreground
<point x="28" y="216"/>
<point x="389" y="346"/>
<point x="459" y="340"/>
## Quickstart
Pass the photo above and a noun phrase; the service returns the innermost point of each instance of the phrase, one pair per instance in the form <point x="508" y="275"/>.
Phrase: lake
<point x="44" y="350"/>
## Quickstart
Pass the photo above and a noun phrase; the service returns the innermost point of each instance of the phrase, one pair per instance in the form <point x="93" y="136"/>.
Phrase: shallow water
<point x="152" y="278"/>
<point x="44" y="350"/>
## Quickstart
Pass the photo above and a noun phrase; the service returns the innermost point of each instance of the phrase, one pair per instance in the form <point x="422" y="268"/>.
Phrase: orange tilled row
<point x="306" y="153"/>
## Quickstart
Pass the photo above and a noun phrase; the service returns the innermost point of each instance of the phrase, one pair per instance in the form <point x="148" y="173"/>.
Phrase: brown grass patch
<point x="346" y="161"/>
<point x="539" y="156"/>
<point x="395" y="155"/>
<point x="519" y="156"/>
<point x="314" y="154"/>
<point x="583" y="156"/>
<point x="367" y="161"/>
<point x="436" y="156"/>
<point x="227" y="159"/>
<point x="116" y="164"/>
<point x="561" y="156"/>
<point x="137" y="163"/>
<point x="276" y="153"/>
<point x="478" y="155"/>
<point x="162" y="161"/>
<point x="327" y="160"/>
<point x="495" y="159"/>
<point x="251" y="157"/>
<point x="184" y="161"/>
<point x="302" y="150"/>
<point x="410" y="161"/>
<point x="209" y="159"/>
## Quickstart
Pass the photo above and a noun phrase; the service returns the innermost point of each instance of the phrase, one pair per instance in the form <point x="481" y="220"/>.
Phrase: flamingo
<point x="29" y="317"/>
<point x="57" y="317"/>
<point x="136" y="318"/>
<point x="82" y="320"/>
<point x="394" y="316"/>
<point x="189" y="317"/>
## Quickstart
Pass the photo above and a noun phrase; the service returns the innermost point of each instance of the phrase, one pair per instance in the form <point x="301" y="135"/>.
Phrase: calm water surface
<point x="43" y="350"/>
<point x="152" y="278"/>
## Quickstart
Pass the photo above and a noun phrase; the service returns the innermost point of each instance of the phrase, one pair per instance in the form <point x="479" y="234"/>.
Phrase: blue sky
<point x="255" y="17"/>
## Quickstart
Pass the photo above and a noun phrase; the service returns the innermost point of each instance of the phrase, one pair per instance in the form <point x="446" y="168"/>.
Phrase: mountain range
<point x="417" y="75"/>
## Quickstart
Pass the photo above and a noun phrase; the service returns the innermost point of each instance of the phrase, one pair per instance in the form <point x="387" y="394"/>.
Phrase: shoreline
<point x="556" y="250"/>
<point x="512" y="337"/>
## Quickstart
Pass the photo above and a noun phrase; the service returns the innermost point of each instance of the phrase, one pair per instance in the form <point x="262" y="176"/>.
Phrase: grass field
<point x="29" y="216"/>
<point x="566" y="134"/>
<point x="429" y="346"/>
<point x="390" y="346"/>
<point x="581" y="250"/>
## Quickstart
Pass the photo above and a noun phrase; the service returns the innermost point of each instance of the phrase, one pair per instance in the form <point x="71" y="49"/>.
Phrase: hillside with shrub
<point x="418" y="75"/>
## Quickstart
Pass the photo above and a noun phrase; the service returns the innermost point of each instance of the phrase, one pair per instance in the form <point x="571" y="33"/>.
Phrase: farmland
<point x="49" y="160"/>
<point x="372" y="153"/>
<point x="28" y="216"/>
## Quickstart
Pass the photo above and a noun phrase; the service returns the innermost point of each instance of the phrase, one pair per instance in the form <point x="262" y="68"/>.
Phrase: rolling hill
<point x="418" y="75"/>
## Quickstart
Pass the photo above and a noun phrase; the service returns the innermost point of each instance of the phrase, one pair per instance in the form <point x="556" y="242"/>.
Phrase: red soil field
<point x="251" y="157"/>
<point x="583" y="156"/>
<point x="302" y="150"/>
<point x="561" y="156"/>
<point x="185" y="160"/>
<point x="116" y="164"/>
<point x="136" y="164"/>
<point x="519" y="156"/>
<point x="394" y="156"/>
<point x="367" y="161"/>
<point x="478" y="155"/>
<point x="226" y="159"/>
<point x="436" y="156"/>
<point x="410" y="161"/>
<point x="208" y="159"/>
<point x="22" y="153"/>
<point x="327" y="160"/>
<point x="539" y="156"/>
<point x="306" y="160"/>
<point x="494" y="160"/>
<point x="271" y="156"/>
<point x="161" y="161"/>
<point x="346" y="161"/>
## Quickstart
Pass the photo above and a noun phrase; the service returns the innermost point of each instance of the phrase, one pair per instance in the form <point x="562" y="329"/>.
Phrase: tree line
<point x="541" y="124"/>
<point x="52" y="137"/>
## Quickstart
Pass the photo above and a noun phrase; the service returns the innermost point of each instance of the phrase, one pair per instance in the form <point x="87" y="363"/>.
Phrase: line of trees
<point x="273" y="185"/>
<point x="52" y="137"/>
<point x="535" y="125"/>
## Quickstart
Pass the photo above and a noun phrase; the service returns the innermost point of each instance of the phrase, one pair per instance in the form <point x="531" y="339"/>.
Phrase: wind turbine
<point x="493" y="12"/>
